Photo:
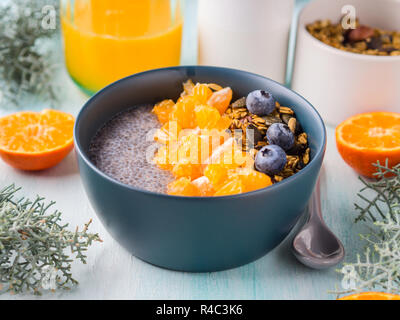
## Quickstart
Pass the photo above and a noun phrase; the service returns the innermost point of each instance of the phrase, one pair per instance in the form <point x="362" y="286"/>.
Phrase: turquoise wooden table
<point x="112" y="273"/>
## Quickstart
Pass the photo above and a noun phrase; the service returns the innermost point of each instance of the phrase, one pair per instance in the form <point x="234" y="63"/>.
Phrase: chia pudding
<point x="123" y="149"/>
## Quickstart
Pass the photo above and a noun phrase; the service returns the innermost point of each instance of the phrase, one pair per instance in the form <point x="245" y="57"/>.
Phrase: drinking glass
<point x="106" y="40"/>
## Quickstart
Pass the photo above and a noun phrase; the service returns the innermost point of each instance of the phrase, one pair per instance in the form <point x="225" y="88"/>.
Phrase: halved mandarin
<point x="371" y="296"/>
<point x="183" y="187"/>
<point x="163" y="110"/>
<point x="36" y="140"/>
<point x="366" y="138"/>
<point x="221" y="100"/>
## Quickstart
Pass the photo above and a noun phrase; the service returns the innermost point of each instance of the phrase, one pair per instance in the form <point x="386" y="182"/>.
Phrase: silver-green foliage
<point x="378" y="267"/>
<point x="34" y="245"/>
<point x="26" y="67"/>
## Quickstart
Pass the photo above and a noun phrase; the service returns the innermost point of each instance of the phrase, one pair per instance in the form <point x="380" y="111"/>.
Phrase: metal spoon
<point x="315" y="245"/>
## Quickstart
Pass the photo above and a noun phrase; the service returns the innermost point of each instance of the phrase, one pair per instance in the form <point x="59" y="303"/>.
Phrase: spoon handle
<point x="315" y="203"/>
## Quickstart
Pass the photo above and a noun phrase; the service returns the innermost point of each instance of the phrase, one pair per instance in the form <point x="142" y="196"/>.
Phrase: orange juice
<point x="107" y="40"/>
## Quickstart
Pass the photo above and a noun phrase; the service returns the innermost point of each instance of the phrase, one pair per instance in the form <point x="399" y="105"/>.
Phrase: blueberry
<point x="270" y="159"/>
<point x="281" y="135"/>
<point x="260" y="102"/>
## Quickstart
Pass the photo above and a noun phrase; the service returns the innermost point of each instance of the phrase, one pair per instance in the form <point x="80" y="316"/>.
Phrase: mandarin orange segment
<point x="249" y="162"/>
<point x="186" y="169"/>
<point x="163" y="109"/>
<point x="189" y="149"/>
<point x="183" y="112"/>
<point x="217" y="174"/>
<point x="207" y="117"/>
<point x="205" y="186"/>
<point x="366" y="138"/>
<point x="214" y="86"/>
<point x="201" y="92"/>
<point x="237" y="158"/>
<point x="166" y="156"/>
<point x="231" y="187"/>
<point x="228" y="153"/>
<point x="207" y="145"/>
<point x="221" y="100"/>
<point x="168" y="133"/>
<point x="253" y="180"/>
<point x="183" y="187"/>
<point x="185" y="152"/>
<point x="211" y="140"/>
<point x="161" y="158"/>
<point x="36" y="140"/>
<point x="197" y="148"/>
<point x="188" y="87"/>
<point x="233" y="157"/>
<point x="224" y="123"/>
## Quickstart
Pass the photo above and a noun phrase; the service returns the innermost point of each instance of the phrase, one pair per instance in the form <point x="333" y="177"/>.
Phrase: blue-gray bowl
<point x="189" y="233"/>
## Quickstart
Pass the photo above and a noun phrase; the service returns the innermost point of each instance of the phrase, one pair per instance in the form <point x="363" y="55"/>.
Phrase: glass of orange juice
<point x="106" y="40"/>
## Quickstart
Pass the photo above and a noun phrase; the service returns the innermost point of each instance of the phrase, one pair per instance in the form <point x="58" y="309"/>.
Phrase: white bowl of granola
<point x="354" y="76"/>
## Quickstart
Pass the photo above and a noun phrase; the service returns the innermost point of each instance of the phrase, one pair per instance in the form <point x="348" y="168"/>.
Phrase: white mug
<point x="251" y="35"/>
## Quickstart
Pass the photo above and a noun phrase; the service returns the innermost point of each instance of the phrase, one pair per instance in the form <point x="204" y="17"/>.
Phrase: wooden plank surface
<point x="112" y="273"/>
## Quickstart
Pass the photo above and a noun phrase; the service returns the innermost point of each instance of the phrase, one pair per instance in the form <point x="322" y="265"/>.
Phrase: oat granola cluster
<point x="297" y="157"/>
<point x="363" y="39"/>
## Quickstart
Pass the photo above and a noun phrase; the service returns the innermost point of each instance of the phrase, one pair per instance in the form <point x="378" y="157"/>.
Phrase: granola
<point x="243" y="120"/>
<point x="363" y="39"/>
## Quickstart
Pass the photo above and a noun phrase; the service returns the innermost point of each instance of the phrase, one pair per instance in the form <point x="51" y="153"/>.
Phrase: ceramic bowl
<point x="338" y="83"/>
<point x="192" y="233"/>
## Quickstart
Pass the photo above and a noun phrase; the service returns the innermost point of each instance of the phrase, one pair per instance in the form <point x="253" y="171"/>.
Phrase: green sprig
<point x="378" y="267"/>
<point x="386" y="194"/>
<point x="33" y="245"/>
<point x="26" y="68"/>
